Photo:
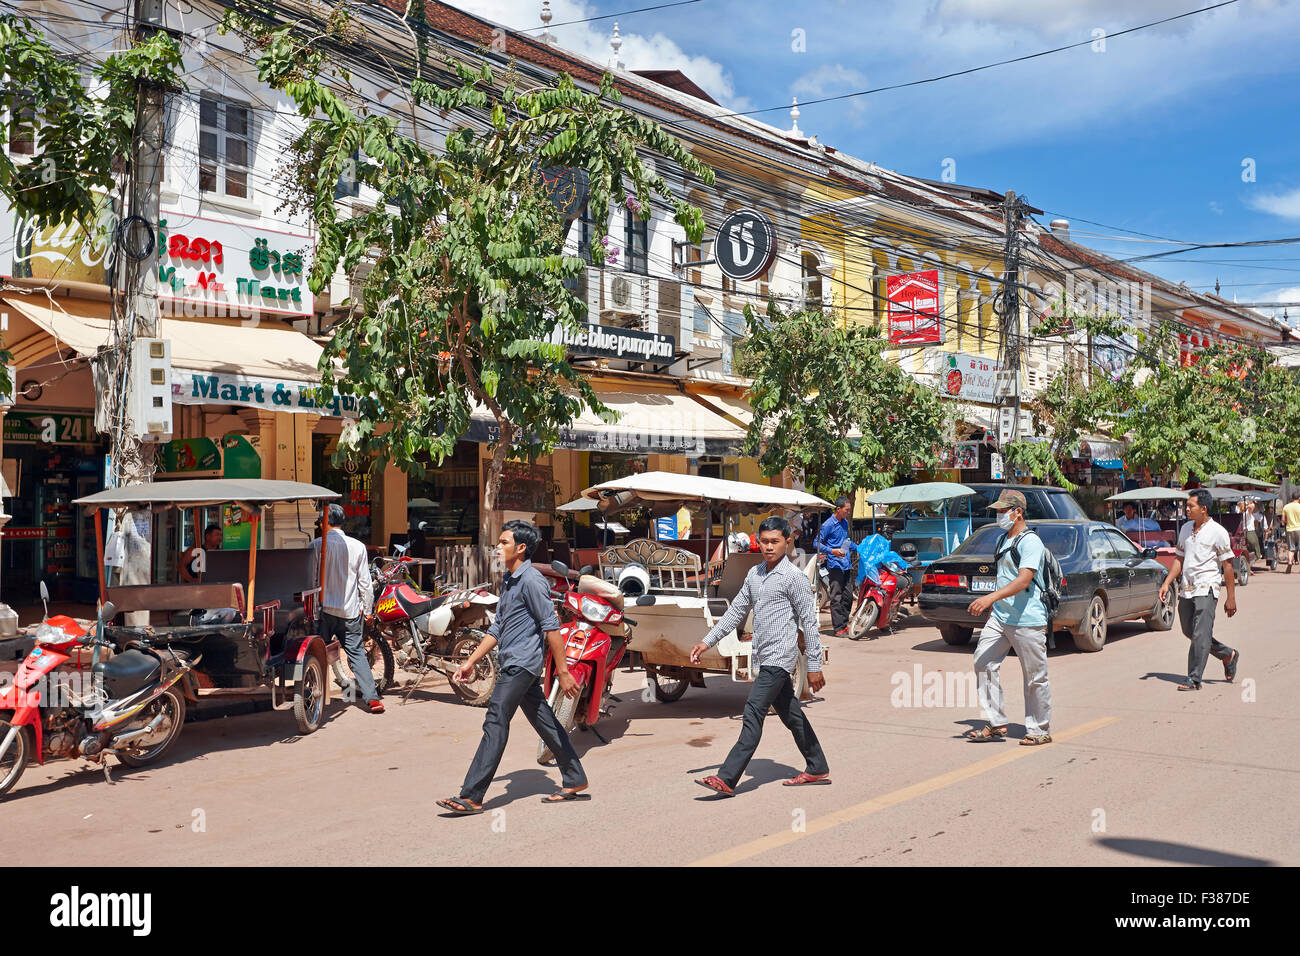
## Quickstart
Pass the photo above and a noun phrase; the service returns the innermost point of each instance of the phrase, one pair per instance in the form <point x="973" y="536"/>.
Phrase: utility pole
<point x="1008" y="309"/>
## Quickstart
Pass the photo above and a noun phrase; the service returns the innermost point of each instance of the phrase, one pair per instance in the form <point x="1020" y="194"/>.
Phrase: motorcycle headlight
<point x="594" y="610"/>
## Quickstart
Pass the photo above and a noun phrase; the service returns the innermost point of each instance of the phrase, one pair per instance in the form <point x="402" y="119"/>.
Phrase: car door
<point x="1112" y="576"/>
<point x="1144" y="579"/>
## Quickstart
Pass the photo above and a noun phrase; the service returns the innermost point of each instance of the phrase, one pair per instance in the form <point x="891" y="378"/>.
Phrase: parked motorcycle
<point x="595" y="635"/>
<point x="133" y="707"/>
<point x="422" y="632"/>
<point x="885" y="584"/>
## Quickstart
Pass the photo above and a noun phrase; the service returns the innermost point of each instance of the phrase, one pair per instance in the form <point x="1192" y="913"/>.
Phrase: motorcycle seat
<point x="127" y="672"/>
<point x="415" y="608"/>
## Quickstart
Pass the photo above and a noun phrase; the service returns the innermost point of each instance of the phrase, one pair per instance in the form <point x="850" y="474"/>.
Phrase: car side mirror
<point x="1149" y="553"/>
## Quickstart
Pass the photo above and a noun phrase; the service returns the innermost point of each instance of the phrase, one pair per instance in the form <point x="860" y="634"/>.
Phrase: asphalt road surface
<point x="1139" y="774"/>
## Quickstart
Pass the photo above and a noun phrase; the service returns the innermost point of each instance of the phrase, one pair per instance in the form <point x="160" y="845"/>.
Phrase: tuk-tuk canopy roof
<point x="1232" y="494"/>
<point x="662" y="488"/>
<point x="1150" y="494"/>
<point x="1230" y="479"/>
<point x="925" y="493"/>
<point x="248" y="493"/>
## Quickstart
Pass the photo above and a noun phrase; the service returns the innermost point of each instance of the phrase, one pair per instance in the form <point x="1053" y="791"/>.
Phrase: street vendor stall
<point x="682" y="592"/>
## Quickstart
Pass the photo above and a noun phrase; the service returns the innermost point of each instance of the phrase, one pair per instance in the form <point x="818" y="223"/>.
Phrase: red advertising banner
<point x="914" y="308"/>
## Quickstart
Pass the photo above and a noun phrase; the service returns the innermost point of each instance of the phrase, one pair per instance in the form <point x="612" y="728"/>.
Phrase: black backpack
<point x="1048" y="577"/>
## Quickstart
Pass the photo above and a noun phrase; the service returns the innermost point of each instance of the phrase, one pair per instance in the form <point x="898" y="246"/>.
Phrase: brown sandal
<point x="986" y="733"/>
<point x="1036" y="740"/>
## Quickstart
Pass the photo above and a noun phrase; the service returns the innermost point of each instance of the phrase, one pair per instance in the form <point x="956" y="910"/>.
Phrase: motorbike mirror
<point x="421" y="526"/>
<point x="560" y="568"/>
<point x="45" y="598"/>
<point x="645" y="600"/>
<point x="107" y="612"/>
<point x="401" y="548"/>
<point x="587" y="569"/>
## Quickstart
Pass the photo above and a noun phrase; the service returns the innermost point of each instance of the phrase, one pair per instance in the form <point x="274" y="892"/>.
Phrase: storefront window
<point x="606" y="466"/>
<point x="442" y="507"/>
<point x="354" y="483"/>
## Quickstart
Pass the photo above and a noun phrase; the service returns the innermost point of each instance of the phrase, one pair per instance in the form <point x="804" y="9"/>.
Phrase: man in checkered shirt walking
<point x="783" y="604"/>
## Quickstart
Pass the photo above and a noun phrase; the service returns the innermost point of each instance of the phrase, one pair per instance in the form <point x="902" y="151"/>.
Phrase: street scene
<point x="777" y="441"/>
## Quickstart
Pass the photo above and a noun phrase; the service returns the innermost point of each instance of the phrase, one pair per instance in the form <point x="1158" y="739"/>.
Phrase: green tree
<point x="467" y="283"/>
<point x="815" y="383"/>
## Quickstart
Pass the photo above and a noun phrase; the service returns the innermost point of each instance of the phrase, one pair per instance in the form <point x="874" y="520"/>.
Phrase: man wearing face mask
<point x="1018" y="620"/>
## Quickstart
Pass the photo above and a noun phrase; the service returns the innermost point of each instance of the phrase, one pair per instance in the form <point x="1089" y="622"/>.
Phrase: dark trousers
<point x="351" y="631"/>
<point x="1197" y="617"/>
<point x="516" y="688"/>
<point x="841" y="592"/>
<point x="772" y="688"/>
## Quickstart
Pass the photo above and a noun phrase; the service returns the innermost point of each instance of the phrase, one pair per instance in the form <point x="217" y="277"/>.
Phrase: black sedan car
<point x="1107" y="579"/>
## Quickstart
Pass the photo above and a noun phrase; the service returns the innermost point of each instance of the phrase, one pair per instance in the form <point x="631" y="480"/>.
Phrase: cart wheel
<point x="14" y="760"/>
<point x="379" y="654"/>
<point x="476" y="692"/>
<point x="668" y="690"/>
<point x="171" y="703"/>
<point x="309" y="698"/>
<point x="1243" y="572"/>
<point x="566" y="709"/>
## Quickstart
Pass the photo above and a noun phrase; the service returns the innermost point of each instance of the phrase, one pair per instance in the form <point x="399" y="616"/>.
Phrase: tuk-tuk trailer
<point x="251" y="627"/>
<point x="682" y="588"/>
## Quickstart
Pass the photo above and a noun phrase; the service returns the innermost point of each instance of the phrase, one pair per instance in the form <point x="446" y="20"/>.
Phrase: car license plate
<point x="984" y="584"/>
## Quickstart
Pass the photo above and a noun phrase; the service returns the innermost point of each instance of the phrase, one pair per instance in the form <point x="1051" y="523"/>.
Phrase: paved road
<point x="1139" y="774"/>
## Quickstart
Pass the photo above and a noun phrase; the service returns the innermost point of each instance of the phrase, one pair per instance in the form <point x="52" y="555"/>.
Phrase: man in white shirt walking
<point x="1204" y="550"/>
<point x="346" y="600"/>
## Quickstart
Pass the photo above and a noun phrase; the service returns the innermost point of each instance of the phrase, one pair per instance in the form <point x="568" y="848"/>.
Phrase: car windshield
<point x="1059" y="539"/>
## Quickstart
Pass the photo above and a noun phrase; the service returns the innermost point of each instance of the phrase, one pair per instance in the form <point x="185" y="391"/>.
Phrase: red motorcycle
<point x="424" y="632"/>
<point x="132" y="705"/>
<point x="595" y="637"/>
<point x="878" y="604"/>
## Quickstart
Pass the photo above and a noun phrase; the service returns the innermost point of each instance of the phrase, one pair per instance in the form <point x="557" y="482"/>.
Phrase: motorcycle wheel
<point x="566" y="710"/>
<point x="14" y="761"/>
<point x="173" y="704"/>
<point x="379" y="654"/>
<point x="478" y="691"/>
<point x="864" y="620"/>
<point x="668" y="689"/>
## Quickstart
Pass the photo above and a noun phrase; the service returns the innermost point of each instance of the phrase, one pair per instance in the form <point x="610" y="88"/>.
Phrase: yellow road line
<point x="868" y="807"/>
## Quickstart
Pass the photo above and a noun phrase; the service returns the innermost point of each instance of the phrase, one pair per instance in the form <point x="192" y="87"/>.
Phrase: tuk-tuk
<point x="251" y="629"/>
<point x="1158" y="533"/>
<point x="936" y="520"/>
<point x="682" y="588"/>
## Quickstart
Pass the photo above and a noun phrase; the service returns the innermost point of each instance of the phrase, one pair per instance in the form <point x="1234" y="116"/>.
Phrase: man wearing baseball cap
<point x="1018" y="620"/>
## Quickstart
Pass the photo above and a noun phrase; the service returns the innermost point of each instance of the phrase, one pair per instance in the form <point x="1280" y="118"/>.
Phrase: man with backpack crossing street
<point x="1028" y="590"/>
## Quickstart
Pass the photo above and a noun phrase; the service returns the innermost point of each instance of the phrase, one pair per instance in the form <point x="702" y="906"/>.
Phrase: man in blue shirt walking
<point x="833" y="547"/>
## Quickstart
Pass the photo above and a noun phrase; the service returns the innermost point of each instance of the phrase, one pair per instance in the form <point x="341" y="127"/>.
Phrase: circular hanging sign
<point x="745" y="246"/>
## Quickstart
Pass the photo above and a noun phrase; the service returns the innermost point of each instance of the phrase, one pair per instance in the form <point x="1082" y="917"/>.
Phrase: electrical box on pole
<point x="151" y="391"/>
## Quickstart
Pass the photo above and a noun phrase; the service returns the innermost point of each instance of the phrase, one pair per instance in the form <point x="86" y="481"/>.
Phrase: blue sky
<point x="1148" y="131"/>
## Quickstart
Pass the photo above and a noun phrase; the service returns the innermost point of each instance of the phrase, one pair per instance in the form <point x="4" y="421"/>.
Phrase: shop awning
<point x="648" y="423"/>
<point x="729" y="406"/>
<point x="214" y="361"/>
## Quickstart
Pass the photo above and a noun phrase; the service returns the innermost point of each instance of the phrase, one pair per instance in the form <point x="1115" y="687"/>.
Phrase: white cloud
<point x="827" y="80"/>
<point x="1291" y="294"/>
<point x="640" y="51"/>
<point x="1060" y="18"/>
<point x="1286" y="205"/>
<point x="1216" y="208"/>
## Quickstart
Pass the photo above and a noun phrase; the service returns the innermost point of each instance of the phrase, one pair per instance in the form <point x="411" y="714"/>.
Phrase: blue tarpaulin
<point x="873" y="552"/>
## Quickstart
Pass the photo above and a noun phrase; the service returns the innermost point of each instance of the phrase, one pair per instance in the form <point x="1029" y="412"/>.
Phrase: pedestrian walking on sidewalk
<point x="833" y="546"/>
<point x="1253" y="523"/>
<point x="783" y="604"/>
<point x="1204" y="551"/>
<point x="346" y="601"/>
<point x="1018" y="620"/>
<point x="525" y="626"/>
<point x="1291" y="515"/>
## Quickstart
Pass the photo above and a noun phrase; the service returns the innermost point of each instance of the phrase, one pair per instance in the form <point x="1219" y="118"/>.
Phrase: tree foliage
<point x="814" y="383"/>
<point x="467" y="277"/>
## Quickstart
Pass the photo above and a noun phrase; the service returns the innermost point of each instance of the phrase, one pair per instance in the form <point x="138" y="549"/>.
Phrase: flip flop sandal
<point x="985" y="733"/>
<point x="1189" y="686"/>
<point x="1036" y="741"/>
<point x="808" y="780"/>
<point x="1230" y="666"/>
<point x="459" y="807"/>
<point x="717" y="785"/>
<point x="563" y="796"/>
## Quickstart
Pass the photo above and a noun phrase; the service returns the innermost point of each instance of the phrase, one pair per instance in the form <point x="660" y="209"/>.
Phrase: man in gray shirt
<point x="783" y="604"/>
<point x="524" y="614"/>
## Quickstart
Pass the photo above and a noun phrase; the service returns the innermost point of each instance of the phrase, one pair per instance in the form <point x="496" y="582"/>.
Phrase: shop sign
<point x="972" y="378"/>
<point x="914" y="308"/>
<point x="49" y="428"/>
<point x="221" y="388"/>
<point x="611" y="342"/>
<point x="62" y="251"/>
<point x="524" y="487"/>
<point x="189" y="458"/>
<point x="966" y="455"/>
<point x="745" y="246"/>
<point x="214" y="268"/>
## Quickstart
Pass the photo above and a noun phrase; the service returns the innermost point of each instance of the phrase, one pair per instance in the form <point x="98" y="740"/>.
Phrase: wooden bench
<point x="161" y="599"/>
<point x="672" y="570"/>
